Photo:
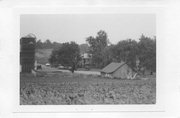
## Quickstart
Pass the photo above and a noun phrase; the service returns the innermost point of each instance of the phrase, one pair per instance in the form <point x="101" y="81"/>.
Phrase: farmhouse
<point x="86" y="59"/>
<point x="117" y="70"/>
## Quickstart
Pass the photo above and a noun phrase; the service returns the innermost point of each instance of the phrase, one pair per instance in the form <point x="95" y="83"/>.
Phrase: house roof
<point x="112" y="67"/>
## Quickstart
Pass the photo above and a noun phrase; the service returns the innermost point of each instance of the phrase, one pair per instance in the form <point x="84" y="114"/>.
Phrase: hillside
<point x="42" y="55"/>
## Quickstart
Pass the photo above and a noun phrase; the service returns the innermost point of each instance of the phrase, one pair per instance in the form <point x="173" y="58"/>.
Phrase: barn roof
<point x="112" y="67"/>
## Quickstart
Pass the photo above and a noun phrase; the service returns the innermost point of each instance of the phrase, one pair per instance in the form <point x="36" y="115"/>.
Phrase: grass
<point x="66" y="88"/>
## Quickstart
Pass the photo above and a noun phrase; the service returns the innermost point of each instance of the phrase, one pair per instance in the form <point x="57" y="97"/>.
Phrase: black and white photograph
<point x="87" y="59"/>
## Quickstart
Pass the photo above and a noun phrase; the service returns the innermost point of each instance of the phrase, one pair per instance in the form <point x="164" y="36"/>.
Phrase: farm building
<point x="86" y="59"/>
<point x="117" y="70"/>
<point x="27" y="53"/>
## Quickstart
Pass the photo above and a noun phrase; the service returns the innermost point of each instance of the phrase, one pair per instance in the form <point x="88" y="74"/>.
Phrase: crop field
<point x="58" y="88"/>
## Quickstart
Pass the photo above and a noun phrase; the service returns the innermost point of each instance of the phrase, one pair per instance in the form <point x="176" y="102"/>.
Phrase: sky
<point x="77" y="27"/>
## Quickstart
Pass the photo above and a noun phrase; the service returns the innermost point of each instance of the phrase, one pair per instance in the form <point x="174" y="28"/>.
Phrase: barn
<point x="117" y="70"/>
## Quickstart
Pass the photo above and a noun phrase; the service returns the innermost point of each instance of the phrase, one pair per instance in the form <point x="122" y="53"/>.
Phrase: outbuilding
<point x="118" y="70"/>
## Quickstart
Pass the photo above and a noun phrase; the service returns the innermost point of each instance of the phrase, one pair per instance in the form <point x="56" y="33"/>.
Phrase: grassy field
<point x="57" y="88"/>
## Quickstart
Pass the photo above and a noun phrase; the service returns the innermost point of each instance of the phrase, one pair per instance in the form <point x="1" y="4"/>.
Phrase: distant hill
<point x="42" y="55"/>
<point x="47" y="44"/>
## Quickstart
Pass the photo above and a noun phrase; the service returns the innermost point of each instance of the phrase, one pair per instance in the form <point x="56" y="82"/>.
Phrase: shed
<point x="117" y="70"/>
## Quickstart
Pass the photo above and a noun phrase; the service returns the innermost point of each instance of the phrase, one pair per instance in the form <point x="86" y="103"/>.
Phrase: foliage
<point x="127" y="51"/>
<point x="65" y="88"/>
<point x="42" y="55"/>
<point x="47" y="44"/>
<point x="97" y="46"/>
<point x="84" y="48"/>
<point x="107" y="55"/>
<point x="54" y="57"/>
<point x="147" y="52"/>
<point x="130" y="51"/>
<point x="67" y="55"/>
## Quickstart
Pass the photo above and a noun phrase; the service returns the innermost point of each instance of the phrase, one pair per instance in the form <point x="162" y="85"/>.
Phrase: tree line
<point x="137" y="54"/>
<point x="47" y="44"/>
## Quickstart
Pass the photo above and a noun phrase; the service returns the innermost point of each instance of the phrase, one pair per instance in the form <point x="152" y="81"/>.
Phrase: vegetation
<point x="139" y="55"/>
<point x="55" y="87"/>
<point x="47" y="44"/>
<point x="129" y="51"/>
<point x="65" y="88"/>
<point x="97" y="46"/>
<point x="67" y="55"/>
<point x="84" y="48"/>
<point x="147" y="52"/>
<point x="42" y="55"/>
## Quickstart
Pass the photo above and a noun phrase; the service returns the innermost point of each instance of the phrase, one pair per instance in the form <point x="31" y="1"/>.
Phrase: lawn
<point x="57" y="88"/>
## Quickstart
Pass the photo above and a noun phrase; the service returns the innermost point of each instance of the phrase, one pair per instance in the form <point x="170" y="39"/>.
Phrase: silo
<point x="27" y="53"/>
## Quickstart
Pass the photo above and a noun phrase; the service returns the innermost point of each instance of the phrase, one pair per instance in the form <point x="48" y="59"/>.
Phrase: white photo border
<point x="160" y="83"/>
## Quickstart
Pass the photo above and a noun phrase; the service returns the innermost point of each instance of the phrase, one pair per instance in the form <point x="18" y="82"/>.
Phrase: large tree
<point x="127" y="51"/>
<point x="147" y="52"/>
<point x="84" y="48"/>
<point x="67" y="55"/>
<point x="96" y="47"/>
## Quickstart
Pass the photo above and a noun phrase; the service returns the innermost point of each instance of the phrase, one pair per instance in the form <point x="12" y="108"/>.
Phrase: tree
<point x="48" y="44"/>
<point x="39" y="44"/>
<point x="54" y="58"/>
<point x="67" y="55"/>
<point x="96" y="46"/>
<point x="56" y="45"/>
<point x="147" y="52"/>
<point x="84" y="48"/>
<point x="108" y="55"/>
<point x="127" y="51"/>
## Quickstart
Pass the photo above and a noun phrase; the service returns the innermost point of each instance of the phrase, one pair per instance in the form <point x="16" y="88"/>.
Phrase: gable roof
<point x="112" y="67"/>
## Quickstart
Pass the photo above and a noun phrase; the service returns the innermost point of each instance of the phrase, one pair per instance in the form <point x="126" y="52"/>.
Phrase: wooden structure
<point x="117" y="70"/>
<point x="86" y="60"/>
<point x="27" y="53"/>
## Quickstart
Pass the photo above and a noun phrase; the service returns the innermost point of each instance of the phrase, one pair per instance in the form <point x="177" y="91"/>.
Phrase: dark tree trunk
<point x="73" y="68"/>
